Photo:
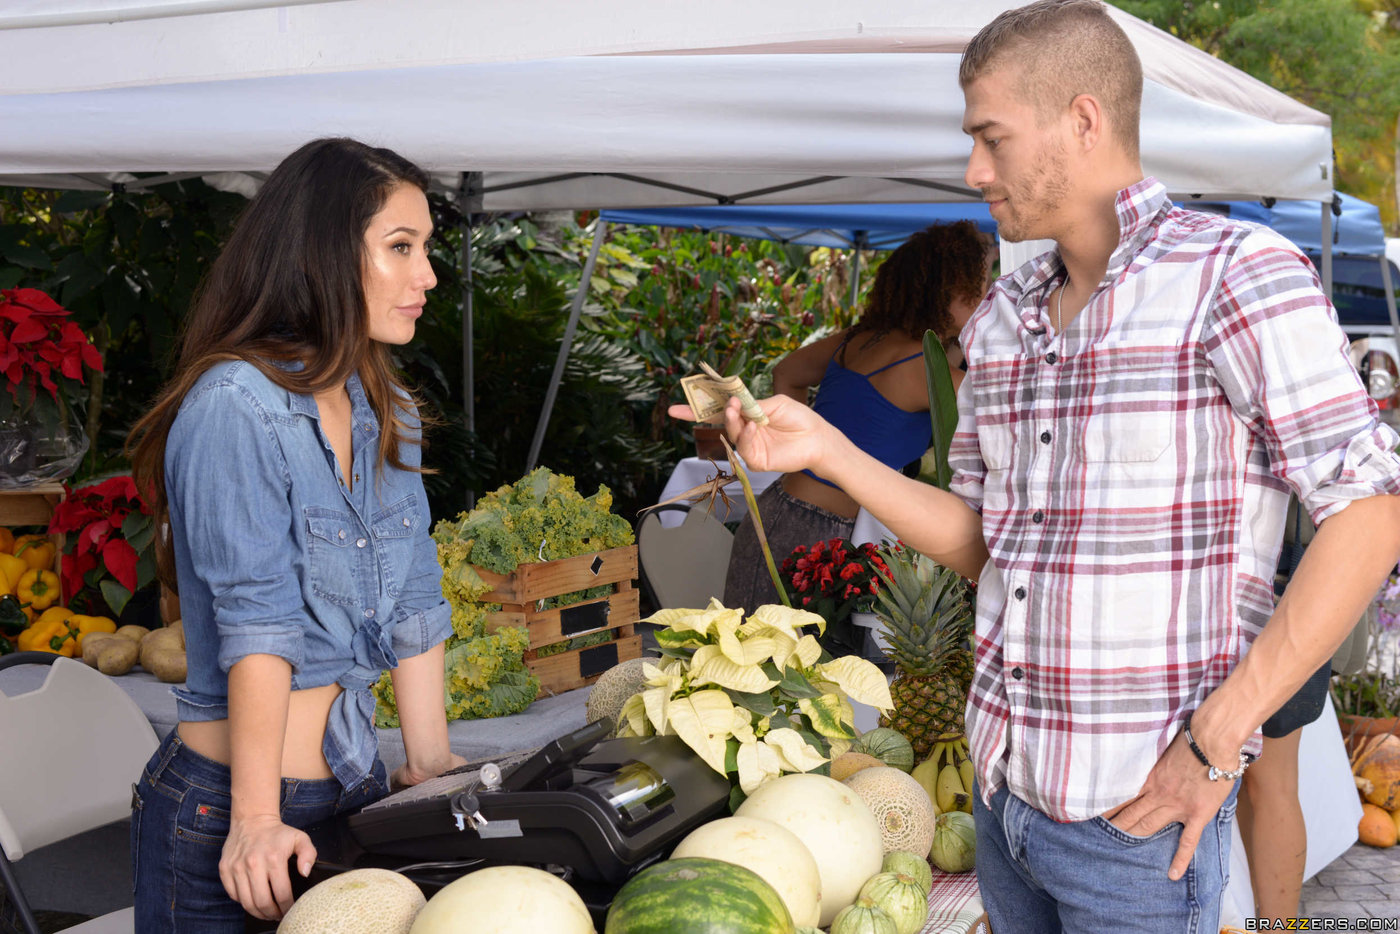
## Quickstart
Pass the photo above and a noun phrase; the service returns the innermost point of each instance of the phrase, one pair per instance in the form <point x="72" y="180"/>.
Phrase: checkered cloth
<point x="954" y="904"/>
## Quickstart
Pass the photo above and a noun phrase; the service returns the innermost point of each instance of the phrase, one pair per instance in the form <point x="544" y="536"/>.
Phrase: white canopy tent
<point x="538" y="104"/>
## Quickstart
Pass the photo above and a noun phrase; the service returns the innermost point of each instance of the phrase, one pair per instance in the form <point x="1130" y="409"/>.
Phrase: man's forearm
<point x="931" y="520"/>
<point x="1343" y="567"/>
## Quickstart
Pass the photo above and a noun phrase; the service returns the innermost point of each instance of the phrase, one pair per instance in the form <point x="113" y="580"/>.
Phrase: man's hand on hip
<point x="1177" y="789"/>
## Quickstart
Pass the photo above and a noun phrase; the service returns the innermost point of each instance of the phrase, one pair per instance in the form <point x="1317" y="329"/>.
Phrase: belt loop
<point x="171" y="746"/>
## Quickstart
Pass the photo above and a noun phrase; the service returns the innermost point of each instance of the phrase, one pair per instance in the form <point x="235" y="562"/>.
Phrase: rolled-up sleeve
<point x="422" y="617"/>
<point x="965" y="461"/>
<point x="1278" y="352"/>
<point x="228" y="487"/>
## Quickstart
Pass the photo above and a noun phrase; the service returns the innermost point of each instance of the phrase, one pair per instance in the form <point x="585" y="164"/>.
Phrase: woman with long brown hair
<point x="285" y="456"/>
<point x="871" y="385"/>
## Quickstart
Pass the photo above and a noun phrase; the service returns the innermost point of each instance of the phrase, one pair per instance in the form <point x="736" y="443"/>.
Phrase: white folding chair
<point x="72" y="749"/>
<point x="686" y="565"/>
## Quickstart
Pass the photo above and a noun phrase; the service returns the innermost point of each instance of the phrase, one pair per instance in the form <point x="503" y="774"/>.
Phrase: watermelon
<point x="695" y="895"/>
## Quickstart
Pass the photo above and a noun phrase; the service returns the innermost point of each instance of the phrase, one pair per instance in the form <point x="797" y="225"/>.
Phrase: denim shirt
<point x="276" y="556"/>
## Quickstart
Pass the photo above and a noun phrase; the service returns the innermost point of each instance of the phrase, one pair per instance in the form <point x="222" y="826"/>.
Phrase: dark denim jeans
<point x="1039" y="876"/>
<point x="179" y="819"/>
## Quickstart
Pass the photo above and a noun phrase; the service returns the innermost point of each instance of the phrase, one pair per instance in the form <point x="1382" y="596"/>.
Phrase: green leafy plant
<point x="755" y="697"/>
<point x="541" y="517"/>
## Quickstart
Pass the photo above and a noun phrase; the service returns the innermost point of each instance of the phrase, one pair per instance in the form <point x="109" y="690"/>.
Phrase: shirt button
<point x="341" y="533"/>
<point x="369" y="614"/>
<point x="1045" y="437"/>
<point x="1038" y="516"/>
<point x="1017" y="673"/>
<point x="361" y="543"/>
<point x="1051" y="357"/>
<point x="1020" y="593"/>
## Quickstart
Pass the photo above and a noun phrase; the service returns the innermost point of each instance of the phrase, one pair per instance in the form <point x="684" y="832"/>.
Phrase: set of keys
<point x="466" y="808"/>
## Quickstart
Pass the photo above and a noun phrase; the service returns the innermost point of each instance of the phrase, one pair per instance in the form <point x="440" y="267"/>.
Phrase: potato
<point x="156" y="640"/>
<point x="90" y="643"/>
<point x="165" y="663"/>
<point x="134" y="633"/>
<point x="179" y="627"/>
<point x="116" y="656"/>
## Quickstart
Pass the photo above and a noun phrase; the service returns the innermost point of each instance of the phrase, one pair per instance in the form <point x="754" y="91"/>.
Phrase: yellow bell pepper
<point x="53" y="613"/>
<point x="86" y="625"/>
<point x="38" y="588"/>
<point x="53" y="636"/>
<point x="11" y="569"/>
<point x="7" y="540"/>
<point x="36" y="550"/>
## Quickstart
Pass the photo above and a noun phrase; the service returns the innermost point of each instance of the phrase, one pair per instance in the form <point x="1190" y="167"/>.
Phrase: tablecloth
<point x="693" y="471"/>
<point x="547" y="718"/>
<point x="954" y="903"/>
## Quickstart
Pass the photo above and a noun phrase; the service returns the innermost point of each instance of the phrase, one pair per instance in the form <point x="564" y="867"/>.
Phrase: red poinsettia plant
<point x="39" y="345"/>
<point x="833" y="578"/>
<point x="109" y="541"/>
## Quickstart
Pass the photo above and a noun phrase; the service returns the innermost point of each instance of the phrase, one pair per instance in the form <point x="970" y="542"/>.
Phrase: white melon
<point x="505" y="900"/>
<point x="361" y="901"/>
<point x="775" y="853"/>
<point x="900" y="805"/>
<point x="835" y="825"/>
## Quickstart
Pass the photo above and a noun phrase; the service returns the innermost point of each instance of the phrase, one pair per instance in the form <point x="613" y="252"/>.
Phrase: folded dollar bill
<point x="708" y="392"/>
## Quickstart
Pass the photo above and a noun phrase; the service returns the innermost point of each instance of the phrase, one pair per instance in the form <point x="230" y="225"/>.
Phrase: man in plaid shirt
<point x="1138" y="406"/>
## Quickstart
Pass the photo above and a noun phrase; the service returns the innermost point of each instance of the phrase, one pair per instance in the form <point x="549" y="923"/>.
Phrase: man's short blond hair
<point x="1062" y="49"/>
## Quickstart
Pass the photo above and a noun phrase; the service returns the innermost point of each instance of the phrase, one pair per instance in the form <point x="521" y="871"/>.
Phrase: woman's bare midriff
<point x="819" y="494"/>
<point x="307" y="713"/>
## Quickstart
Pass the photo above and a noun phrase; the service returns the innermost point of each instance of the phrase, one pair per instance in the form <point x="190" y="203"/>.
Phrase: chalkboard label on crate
<point x="596" y="660"/>
<point x="583" y="618"/>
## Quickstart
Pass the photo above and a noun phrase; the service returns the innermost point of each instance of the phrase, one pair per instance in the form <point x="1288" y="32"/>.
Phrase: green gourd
<point x="911" y="864"/>
<point x="888" y="745"/>
<point x="954" y="842"/>
<point x="899" y="896"/>
<point x="864" y="917"/>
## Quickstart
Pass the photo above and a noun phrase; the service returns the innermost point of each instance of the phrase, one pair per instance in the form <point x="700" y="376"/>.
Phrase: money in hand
<point x="707" y="394"/>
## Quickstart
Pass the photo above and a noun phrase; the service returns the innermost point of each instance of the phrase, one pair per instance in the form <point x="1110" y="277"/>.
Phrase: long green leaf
<point x="942" y="406"/>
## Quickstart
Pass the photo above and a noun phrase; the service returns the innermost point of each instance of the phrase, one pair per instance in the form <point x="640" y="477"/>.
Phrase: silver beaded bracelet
<point x="1213" y="773"/>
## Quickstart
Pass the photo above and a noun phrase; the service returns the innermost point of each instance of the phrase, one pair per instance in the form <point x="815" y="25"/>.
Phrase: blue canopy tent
<point x="1363" y="279"/>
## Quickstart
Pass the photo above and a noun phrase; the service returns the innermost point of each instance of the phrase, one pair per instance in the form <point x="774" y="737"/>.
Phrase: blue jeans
<point x="179" y="820"/>
<point x="1040" y="876"/>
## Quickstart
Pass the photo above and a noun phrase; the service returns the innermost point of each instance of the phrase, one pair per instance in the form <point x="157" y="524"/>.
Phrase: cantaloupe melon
<point x="505" y="900"/>
<point x="611" y="690"/>
<point x="775" y="853"/>
<point x="838" y="829"/>
<point x="849" y="763"/>
<point x="900" y="805"/>
<point x="361" y="901"/>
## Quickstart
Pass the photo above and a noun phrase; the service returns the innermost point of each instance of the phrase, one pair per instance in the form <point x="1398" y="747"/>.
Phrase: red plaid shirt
<point x="1133" y="475"/>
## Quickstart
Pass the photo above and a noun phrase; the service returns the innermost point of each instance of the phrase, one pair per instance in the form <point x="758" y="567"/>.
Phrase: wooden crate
<point x="33" y="505"/>
<point x="520" y="592"/>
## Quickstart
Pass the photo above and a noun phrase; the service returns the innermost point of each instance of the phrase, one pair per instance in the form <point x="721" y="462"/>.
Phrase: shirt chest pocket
<point x="395" y="531"/>
<point x="337" y="553"/>
<point x="1128" y="437"/>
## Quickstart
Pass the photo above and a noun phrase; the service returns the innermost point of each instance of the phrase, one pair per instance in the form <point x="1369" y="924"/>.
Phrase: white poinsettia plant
<point x="755" y="697"/>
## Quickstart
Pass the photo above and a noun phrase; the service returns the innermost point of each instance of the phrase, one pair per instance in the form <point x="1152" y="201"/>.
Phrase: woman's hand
<point x="795" y="436"/>
<point x="253" y="867"/>
<point x="407" y="774"/>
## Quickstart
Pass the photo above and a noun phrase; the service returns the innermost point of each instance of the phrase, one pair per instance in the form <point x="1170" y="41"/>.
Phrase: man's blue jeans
<point x="1040" y="876"/>
<point x="179" y="820"/>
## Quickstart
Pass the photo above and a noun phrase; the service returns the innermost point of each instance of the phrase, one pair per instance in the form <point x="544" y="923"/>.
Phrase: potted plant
<point x="108" y="556"/>
<point x="755" y="698"/>
<point x="43" y="356"/>
<point x="835" y="579"/>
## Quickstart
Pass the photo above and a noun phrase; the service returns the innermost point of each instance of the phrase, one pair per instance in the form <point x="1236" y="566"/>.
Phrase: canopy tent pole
<point x="861" y="240"/>
<point x="468" y="190"/>
<point x="600" y="232"/>
<point x="1327" y="248"/>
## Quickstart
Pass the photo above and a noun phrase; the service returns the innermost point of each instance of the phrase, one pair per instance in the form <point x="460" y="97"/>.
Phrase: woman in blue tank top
<point x="870" y="384"/>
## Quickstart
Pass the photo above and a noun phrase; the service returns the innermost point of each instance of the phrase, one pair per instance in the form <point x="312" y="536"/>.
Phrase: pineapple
<point x="928" y="619"/>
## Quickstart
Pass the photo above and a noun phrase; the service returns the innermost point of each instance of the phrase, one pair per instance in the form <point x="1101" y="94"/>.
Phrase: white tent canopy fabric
<point x="558" y="103"/>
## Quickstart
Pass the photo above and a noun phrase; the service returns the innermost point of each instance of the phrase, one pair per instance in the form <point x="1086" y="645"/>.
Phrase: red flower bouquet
<point x="38" y="342"/>
<point x="111" y="551"/>
<point x="833" y="578"/>
<point x="43" y="356"/>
